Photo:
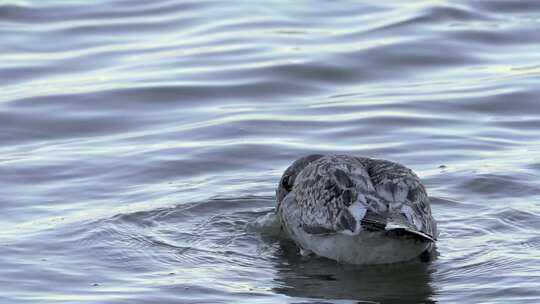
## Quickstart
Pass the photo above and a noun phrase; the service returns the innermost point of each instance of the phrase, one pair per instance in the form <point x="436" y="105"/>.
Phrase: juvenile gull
<point x="355" y="210"/>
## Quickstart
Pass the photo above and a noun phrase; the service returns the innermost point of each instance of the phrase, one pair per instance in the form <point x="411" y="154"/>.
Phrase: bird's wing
<point x="340" y="194"/>
<point x="406" y="198"/>
<point x="329" y="194"/>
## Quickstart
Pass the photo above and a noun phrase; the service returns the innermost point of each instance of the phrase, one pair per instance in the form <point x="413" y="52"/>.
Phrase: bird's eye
<point x="285" y="183"/>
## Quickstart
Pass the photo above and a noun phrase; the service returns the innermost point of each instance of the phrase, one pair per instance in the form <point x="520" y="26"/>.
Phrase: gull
<point x="355" y="210"/>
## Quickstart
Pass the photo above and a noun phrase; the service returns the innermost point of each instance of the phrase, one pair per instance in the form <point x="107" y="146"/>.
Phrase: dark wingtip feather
<point x="418" y="235"/>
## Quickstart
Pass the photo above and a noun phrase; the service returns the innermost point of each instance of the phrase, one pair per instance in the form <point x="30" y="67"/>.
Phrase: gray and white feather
<point x="355" y="210"/>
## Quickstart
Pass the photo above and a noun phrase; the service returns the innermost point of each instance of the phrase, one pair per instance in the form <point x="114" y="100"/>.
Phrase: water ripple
<point x="140" y="137"/>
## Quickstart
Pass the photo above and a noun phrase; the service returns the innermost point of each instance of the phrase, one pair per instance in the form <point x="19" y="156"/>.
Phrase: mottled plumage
<point x="353" y="198"/>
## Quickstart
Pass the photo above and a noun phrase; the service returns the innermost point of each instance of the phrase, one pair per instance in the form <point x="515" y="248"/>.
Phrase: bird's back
<point x="339" y="194"/>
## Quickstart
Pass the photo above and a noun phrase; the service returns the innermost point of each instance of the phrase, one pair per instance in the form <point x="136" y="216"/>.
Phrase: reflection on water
<point x="139" y="138"/>
<point x="325" y="279"/>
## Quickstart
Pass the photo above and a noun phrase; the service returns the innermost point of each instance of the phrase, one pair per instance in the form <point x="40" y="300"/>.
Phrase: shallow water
<point x="139" y="138"/>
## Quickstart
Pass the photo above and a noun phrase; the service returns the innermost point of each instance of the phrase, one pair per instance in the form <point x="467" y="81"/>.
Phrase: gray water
<point x="139" y="138"/>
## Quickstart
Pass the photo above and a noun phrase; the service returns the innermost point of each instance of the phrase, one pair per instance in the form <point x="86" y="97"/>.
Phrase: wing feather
<point x="330" y="191"/>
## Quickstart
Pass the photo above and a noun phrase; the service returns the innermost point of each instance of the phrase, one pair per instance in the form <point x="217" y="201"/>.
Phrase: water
<point x="139" y="138"/>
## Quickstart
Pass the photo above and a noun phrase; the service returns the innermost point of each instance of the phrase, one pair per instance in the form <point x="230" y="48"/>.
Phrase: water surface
<point x="139" y="138"/>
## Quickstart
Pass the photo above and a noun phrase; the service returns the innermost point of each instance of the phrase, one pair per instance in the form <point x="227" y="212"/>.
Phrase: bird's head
<point x="288" y="178"/>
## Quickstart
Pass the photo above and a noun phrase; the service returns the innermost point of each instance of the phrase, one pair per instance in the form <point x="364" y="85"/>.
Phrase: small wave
<point x="267" y="224"/>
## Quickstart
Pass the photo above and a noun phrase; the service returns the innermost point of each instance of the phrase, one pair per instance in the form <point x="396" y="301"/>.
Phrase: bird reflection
<point x="313" y="277"/>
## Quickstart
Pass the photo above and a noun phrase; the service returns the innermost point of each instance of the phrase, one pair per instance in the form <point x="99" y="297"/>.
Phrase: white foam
<point x="266" y="224"/>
